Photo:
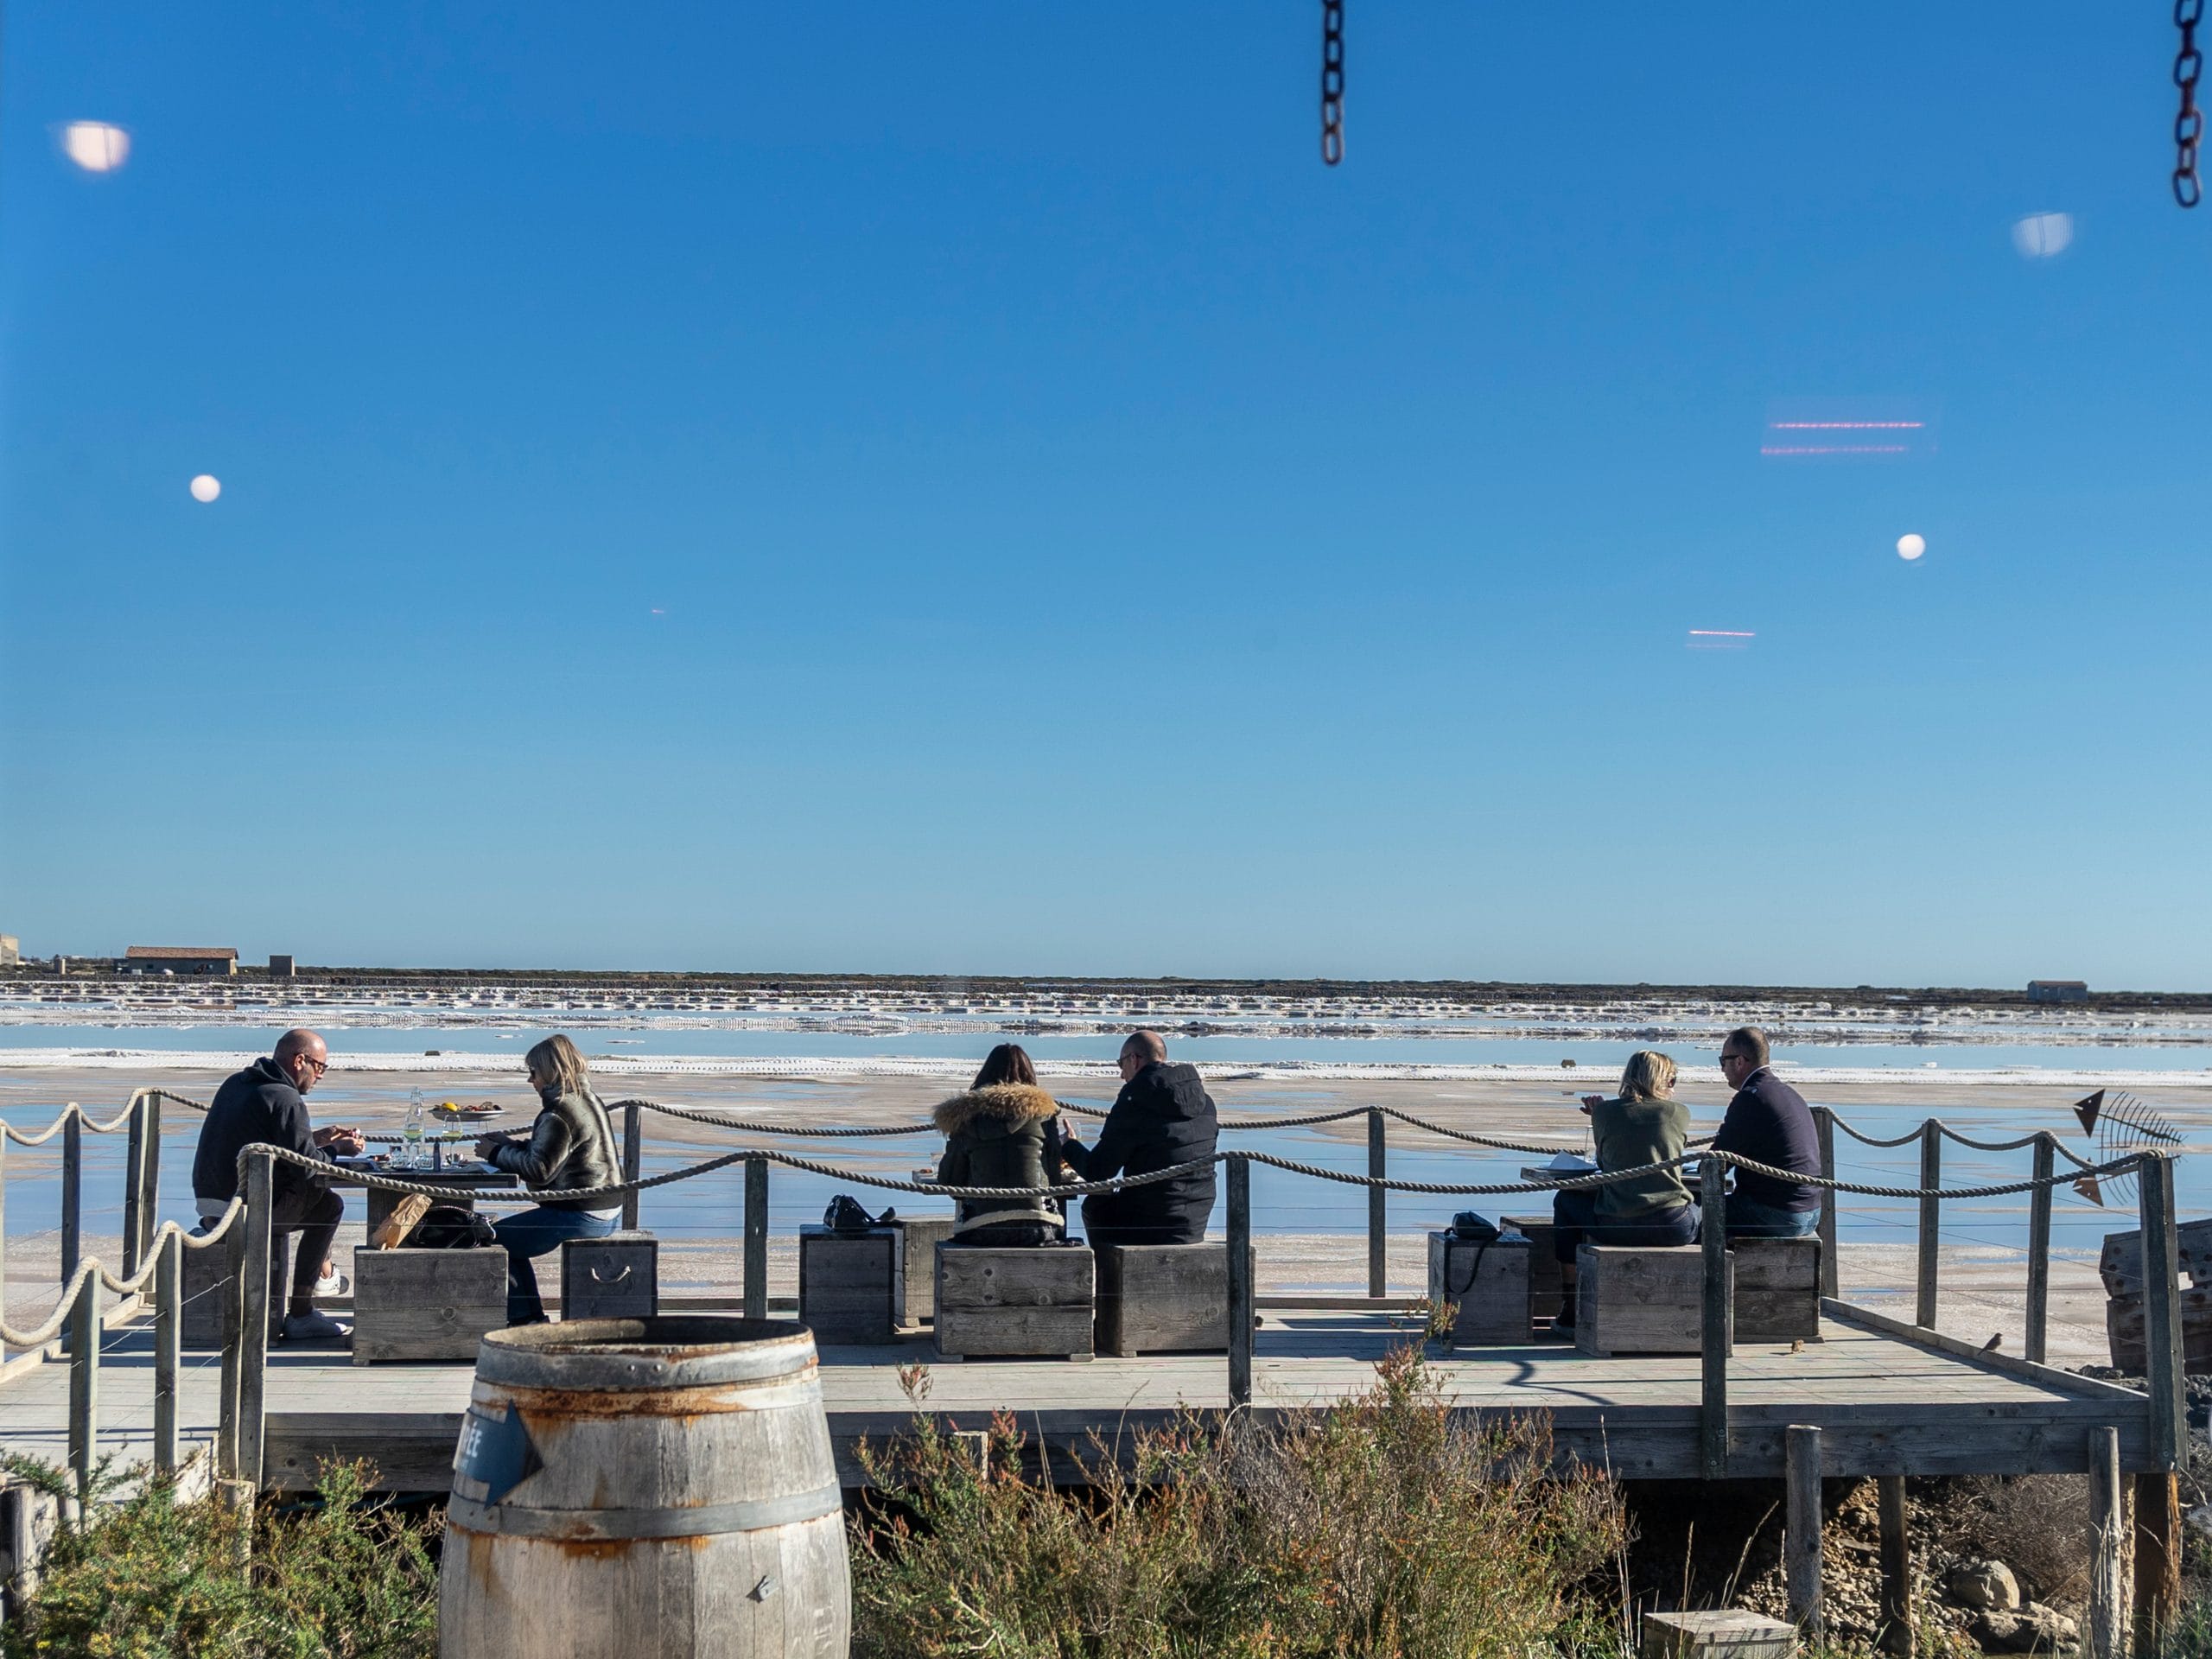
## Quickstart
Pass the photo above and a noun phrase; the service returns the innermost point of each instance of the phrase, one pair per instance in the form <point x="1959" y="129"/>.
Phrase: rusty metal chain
<point x="1332" y="81"/>
<point x="2189" y="124"/>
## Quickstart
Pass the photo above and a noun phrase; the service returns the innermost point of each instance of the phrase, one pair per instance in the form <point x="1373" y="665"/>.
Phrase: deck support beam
<point x="2158" y="1557"/>
<point x="756" y="1239"/>
<point x="2039" y="1319"/>
<point x="2107" y="1619"/>
<point x="1931" y="1222"/>
<point x="1895" y="1636"/>
<point x="2162" y="1354"/>
<point x="1801" y="1535"/>
<point x="1713" y="1424"/>
<point x="1240" y="1281"/>
<point x="1378" y="1205"/>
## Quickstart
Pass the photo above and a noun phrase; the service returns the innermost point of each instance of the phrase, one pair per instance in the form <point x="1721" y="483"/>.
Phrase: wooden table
<point x="466" y="1179"/>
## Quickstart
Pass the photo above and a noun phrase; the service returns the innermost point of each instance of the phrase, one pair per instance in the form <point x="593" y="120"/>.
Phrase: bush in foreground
<point x="1384" y="1526"/>
<point x="148" y="1578"/>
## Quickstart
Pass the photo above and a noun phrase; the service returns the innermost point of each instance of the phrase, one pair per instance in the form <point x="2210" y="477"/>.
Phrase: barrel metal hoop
<point x="547" y="1365"/>
<point x="587" y="1526"/>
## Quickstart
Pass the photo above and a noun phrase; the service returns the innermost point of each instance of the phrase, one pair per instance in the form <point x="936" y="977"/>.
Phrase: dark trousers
<point x="540" y="1231"/>
<point x="1105" y="1224"/>
<point x="1574" y="1218"/>
<point x="312" y="1211"/>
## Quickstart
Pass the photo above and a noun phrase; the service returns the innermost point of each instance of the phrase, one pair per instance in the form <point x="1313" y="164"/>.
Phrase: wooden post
<point x="84" y="1388"/>
<point x="2158" y="1557"/>
<point x="1801" y="1536"/>
<point x="1824" y="1126"/>
<point x="1895" y="1636"/>
<point x="233" y="1293"/>
<point x="253" y="1332"/>
<point x="1378" y="1164"/>
<point x="1713" y="1424"/>
<point x="1240" y="1281"/>
<point x="633" y="1159"/>
<point x="1931" y="1221"/>
<point x="2107" y="1620"/>
<point x="149" y="1167"/>
<point x="756" y="1239"/>
<point x="2039" y="1249"/>
<point x="2162" y="1356"/>
<point x="3" y="1234"/>
<point x="169" y="1334"/>
<point x="73" y="1191"/>
<point x="134" y="1185"/>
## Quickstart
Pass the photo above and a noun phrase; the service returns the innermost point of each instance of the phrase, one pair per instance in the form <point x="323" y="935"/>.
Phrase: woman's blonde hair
<point x="1648" y="1075"/>
<point x="556" y="1061"/>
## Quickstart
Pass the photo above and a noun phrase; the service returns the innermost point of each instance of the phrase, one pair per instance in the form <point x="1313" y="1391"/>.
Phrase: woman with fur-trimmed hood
<point x="1005" y="1131"/>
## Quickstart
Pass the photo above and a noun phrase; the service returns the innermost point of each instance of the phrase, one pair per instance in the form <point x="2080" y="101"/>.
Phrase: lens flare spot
<point x="96" y="146"/>
<point x="1910" y="547"/>
<point x="207" y="487"/>
<point x="2042" y="236"/>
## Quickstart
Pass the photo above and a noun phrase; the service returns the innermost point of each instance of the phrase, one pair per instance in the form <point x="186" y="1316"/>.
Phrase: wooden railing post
<point x="1824" y="1126"/>
<point x="1801" y="1533"/>
<point x="84" y="1387"/>
<point x="4" y="1236"/>
<point x="1895" y="1634"/>
<point x="634" y="1158"/>
<point x="73" y="1191"/>
<point x="2039" y="1323"/>
<point x="2162" y="1356"/>
<point x="1241" y="1302"/>
<point x="232" y="1246"/>
<point x="149" y="1167"/>
<point x="134" y="1185"/>
<point x="756" y="1239"/>
<point x="169" y="1334"/>
<point x="1931" y="1222"/>
<point x="253" y="1335"/>
<point x="2158" y="1558"/>
<point x="2107" y="1620"/>
<point x="1713" y="1424"/>
<point x="1378" y="1203"/>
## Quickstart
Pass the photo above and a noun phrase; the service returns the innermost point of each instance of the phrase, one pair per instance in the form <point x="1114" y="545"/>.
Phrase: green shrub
<point x="1386" y="1527"/>
<point x="148" y="1578"/>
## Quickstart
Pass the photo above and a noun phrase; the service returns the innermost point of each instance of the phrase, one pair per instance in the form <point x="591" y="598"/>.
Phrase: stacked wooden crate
<point x="2121" y="1269"/>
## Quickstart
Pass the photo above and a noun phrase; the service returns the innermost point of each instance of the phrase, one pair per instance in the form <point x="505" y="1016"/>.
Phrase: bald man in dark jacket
<point x="1162" y="1117"/>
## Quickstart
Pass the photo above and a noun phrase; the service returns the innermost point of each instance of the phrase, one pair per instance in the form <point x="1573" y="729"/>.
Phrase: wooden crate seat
<point x="1639" y="1299"/>
<point x="419" y="1304"/>
<point x="1488" y="1284"/>
<point x="617" y="1277"/>
<point x="1014" y="1301"/>
<point x="1163" y="1298"/>
<point x="1776" y="1288"/>
<point x="848" y="1284"/>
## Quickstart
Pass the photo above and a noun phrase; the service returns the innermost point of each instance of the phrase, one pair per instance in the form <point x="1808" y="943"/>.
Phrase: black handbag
<point x="845" y="1214"/>
<point x="450" y="1227"/>
<point x="1481" y="1232"/>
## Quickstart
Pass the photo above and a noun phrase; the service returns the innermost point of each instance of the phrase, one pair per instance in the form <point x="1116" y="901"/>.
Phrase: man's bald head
<point x="1140" y="1049"/>
<point x="302" y="1056"/>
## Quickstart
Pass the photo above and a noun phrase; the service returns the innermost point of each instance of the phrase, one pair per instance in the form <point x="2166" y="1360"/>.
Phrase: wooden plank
<point x="1824" y="1128"/>
<point x="756" y="1239"/>
<point x="251" y="1340"/>
<point x="1777" y="1291"/>
<point x="1931" y="1224"/>
<point x="1802" y="1531"/>
<point x="1029" y="1332"/>
<point x="2158" y="1558"/>
<point x="2162" y="1354"/>
<point x="1993" y="1360"/>
<point x="2036" y="1341"/>
<point x="918" y="1237"/>
<point x="1716" y="1307"/>
<point x="1378" y="1205"/>
<point x="1240" y="1283"/>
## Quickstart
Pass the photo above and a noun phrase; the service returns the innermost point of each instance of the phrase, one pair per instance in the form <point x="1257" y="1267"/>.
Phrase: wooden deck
<point x="1889" y="1400"/>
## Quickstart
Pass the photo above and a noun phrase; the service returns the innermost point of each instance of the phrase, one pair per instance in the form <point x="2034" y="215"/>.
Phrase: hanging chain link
<point x="1332" y="80"/>
<point x="2189" y="126"/>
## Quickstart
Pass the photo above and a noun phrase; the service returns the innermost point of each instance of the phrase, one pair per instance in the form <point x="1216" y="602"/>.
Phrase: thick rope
<point x="68" y="1112"/>
<point x="87" y="1269"/>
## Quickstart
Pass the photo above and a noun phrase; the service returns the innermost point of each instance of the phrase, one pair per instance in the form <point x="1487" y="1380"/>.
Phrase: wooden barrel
<point x="634" y="1487"/>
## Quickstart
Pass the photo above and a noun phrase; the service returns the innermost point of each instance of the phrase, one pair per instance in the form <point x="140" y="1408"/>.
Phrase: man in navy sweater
<point x="1769" y="1122"/>
<point x="266" y="1105"/>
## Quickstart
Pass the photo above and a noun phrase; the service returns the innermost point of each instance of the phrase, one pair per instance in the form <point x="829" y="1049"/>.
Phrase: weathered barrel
<point x="633" y="1487"/>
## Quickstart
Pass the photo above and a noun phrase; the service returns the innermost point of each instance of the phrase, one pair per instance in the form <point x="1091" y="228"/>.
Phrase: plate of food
<point x="457" y="1112"/>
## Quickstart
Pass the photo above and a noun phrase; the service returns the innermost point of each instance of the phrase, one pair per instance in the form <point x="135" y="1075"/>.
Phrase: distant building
<point x="180" y="959"/>
<point x="2058" y="990"/>
<point x="282" y="967"/>
<point x="11" y="952"/>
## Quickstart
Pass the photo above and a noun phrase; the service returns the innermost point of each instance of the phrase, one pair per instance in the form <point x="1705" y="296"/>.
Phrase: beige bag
<point x="401" y="1221"/>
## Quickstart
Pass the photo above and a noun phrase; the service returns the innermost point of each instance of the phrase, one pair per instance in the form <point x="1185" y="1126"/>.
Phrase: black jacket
<point x="255" y="1106"/>
<point x="1003" y="1135"/>
<point x="1162" y="1117"/>
<point x="571" y="1148"/>
<point x="1768" y="1120"/>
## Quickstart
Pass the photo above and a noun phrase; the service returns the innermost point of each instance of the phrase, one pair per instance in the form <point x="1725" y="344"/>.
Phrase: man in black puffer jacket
<point x="1162" y="1117"/>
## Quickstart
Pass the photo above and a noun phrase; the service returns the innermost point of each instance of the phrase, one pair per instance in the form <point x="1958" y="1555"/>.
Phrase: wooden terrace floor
<point x="1888" y="1399"/>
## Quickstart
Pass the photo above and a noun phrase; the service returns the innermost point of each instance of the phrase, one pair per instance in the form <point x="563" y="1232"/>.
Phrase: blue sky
<point x="858" y="486"/>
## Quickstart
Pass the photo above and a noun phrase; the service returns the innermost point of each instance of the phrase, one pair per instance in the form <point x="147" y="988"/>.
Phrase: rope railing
<point x="1944" y="1129"/>
<point x="73" y="1113"/>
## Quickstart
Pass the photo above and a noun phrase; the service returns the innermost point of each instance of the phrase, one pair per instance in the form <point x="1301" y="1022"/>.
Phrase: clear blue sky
<point x="962" y="488"/>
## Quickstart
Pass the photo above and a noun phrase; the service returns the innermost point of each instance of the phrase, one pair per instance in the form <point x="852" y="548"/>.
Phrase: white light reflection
<point x="96" y="146"/>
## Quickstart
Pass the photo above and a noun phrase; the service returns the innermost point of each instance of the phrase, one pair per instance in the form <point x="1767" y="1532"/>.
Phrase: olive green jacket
<point x="1632" y="1133"/>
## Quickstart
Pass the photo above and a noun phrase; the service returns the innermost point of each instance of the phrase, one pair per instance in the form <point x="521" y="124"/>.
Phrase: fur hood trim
<point x="1012" y="1102"/>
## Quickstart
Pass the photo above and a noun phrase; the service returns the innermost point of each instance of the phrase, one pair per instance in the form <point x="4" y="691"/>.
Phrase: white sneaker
<point x="333" y="1283"/>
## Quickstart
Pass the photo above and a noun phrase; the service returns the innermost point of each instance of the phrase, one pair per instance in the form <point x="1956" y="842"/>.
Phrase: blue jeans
<point x="540" y="1232"/>
<point x="1749" y="1220"/>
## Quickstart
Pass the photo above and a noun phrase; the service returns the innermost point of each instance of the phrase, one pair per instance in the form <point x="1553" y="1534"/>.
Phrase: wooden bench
<point x="1546" y="1280"/>
<point x="1488" y="1284"/>
<point x="1635" y="1299"/>
<point x="426" y="1304"/>
<point x="918" y="1237"/>
<point x="1776" y="1288"/>
<point x="1724" y="1633"/>
<point x="1009" y="1302"/>
<point x="848" y="1284"/>
<point x="617" y="1277"/>
<point x="1163" y="1298"/>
